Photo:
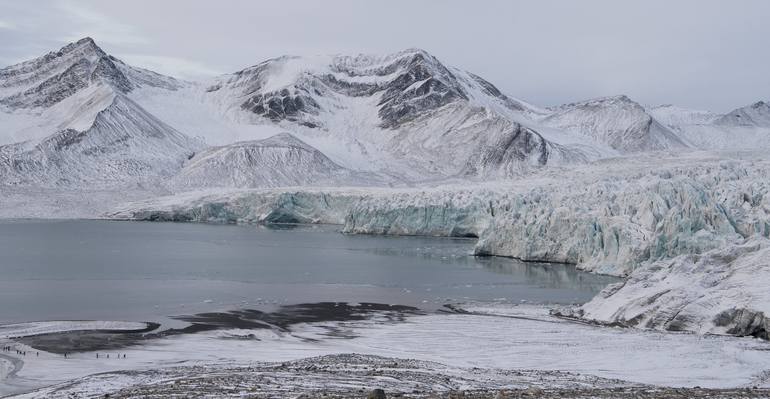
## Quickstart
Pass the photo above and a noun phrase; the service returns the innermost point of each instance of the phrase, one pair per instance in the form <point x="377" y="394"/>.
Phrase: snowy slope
<point x="616" y="121"/>
<point x="402" y="114"/>
<point x="70" y="123"/>
<point x="745" y="128"/>
<point x="45" y="81"/>
<point x="723" y="291"/>
<point x="675" y="117"/>
<point x="124" y="144"/>
<point x="279" y="161"/>
<point x="754" y="115"/>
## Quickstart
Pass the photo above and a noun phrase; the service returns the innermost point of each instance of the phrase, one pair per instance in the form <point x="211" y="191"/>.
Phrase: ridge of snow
<point x="617" y="121"/>
<point x="723" y="291"/>
<point x="278" y="161"/>
<point x="754" y="115"/>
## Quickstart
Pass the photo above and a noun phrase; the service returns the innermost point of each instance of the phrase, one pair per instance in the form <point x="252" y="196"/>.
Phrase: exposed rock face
<point x="430" y="119"/>
<point x="422" y="84"/>
<point x="514" y="151"/>
<point x="45" y="81"/>
<point x="406" y="84"/>
<point x="282" y="105"/>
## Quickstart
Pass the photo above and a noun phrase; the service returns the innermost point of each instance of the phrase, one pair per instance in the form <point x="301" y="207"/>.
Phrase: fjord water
<point x="143" y="271"/>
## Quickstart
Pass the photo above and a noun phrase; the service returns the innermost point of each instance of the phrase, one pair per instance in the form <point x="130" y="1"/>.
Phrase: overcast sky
<point x="699" y="54"/>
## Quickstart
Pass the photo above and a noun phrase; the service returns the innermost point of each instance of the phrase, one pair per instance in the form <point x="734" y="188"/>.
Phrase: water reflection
<point x="82" y="269"/>
<point x="547" y="275"/>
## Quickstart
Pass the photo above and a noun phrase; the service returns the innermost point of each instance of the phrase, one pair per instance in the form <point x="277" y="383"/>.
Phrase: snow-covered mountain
<point x="616" y="121"/>
<point x="279" y="161"/>
<point x="79" y="115"/>
<point x="674" y="117"/>
<point x="124" y="144"/>
<point x="47" y="80"/>
<point x="754" y="115"/>
<point x="745" y="128"/>
<point x="404" y="114"/>
<point x="69" y="121"/>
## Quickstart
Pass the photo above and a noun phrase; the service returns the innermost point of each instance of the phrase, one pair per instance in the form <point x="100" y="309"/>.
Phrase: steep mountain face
<point x="754" y="115"/>
<point x="125" y="144"/>
<point x="617" y="121"/>
<point x="516" y="151"/>
<point x="69" y="122"/>
<point x="47" y="80"/>
<point x="407" y="113"/>
<point x="406" y="84"/>
<point x="278" y="161"/>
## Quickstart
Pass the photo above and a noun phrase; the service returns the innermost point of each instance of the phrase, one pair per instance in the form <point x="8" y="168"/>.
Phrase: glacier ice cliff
<point x="607" y="217"/>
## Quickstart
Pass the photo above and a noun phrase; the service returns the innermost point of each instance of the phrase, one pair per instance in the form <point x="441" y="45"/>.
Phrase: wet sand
<point x="281" y="319"/>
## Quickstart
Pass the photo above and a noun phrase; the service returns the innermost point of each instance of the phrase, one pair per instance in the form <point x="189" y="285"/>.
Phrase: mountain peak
<point x="622" y="98"/>
<point x="283" y="139"/>
<point x="49" y="79"/>
<point x="85" y="46"/>
<point x="756" y="114"/>
<point x="617" y="100"/>
<point x="414" y="51"/>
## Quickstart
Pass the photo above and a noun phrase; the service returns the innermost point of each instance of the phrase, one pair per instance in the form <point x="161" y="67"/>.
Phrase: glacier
<point x="608" y="217"/>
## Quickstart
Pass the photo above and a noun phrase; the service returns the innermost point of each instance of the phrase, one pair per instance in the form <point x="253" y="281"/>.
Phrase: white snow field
<point x="490" y="337"/>
<point x="722" y="291"/>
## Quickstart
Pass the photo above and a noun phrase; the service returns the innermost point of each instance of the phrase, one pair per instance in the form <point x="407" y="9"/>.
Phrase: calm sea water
<point x="71" y="270"/>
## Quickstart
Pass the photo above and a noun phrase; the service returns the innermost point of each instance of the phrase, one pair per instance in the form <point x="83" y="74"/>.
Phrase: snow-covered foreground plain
<point x="489" y="337"/>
